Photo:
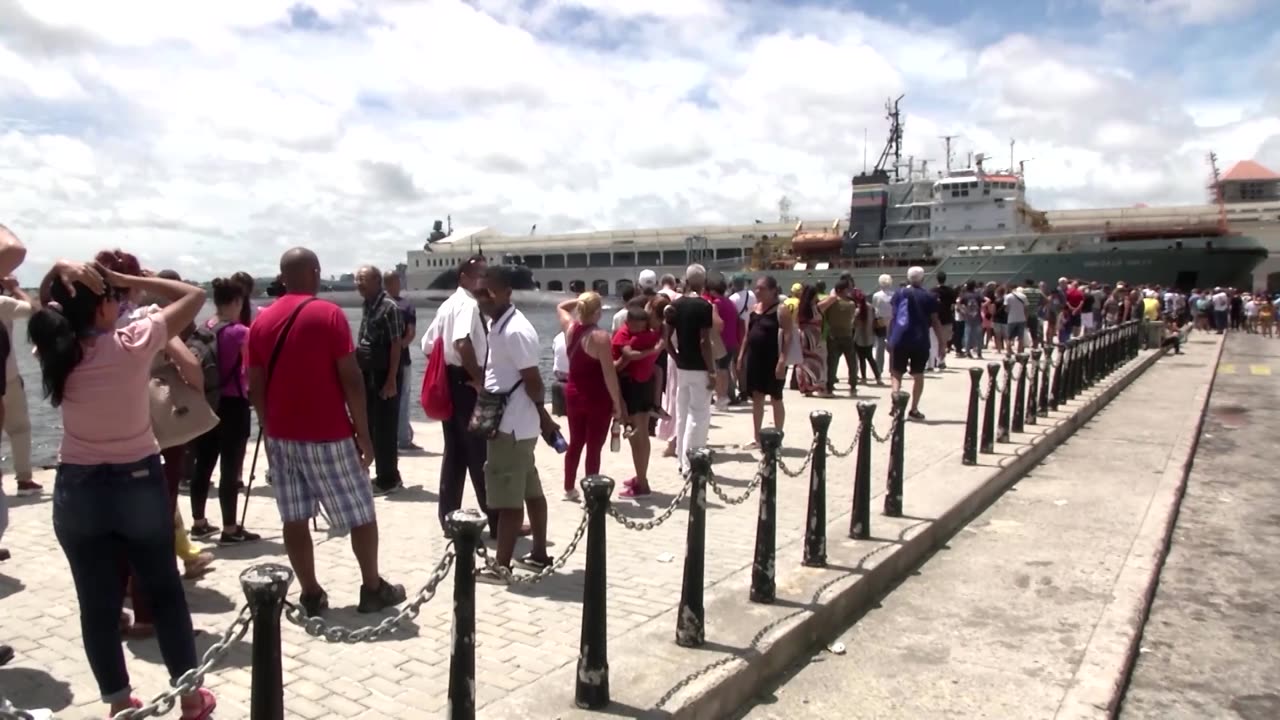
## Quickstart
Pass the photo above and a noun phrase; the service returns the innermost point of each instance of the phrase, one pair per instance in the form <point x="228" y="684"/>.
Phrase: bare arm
<point x="258" y="393"/>
<point x="186" y="362"/>
<point x="12" y="252"/>
<point x="564" y="313"/>
<point x="467" y="352"/>
<point x="533" y="387"/>
<point x="353" y="391"/>
<point x="827" y="302"/>
<point x="185" y="300"/>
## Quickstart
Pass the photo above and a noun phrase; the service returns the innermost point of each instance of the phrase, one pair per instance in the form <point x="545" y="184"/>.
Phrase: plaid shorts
<point x="307" y="474"/>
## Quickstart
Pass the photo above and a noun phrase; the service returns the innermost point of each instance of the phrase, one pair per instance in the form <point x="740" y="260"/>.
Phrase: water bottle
<point x="556" y="441"/>
<point x="615" y="437"/>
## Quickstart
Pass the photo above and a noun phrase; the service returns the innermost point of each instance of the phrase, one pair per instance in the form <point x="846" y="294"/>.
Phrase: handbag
<point x="437" y="402"/>
<point x="490" y="406"/>
<point x="179" y="412"/>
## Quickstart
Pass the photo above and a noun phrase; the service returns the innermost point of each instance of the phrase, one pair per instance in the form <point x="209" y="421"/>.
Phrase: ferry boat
<point x="970" y="223"/>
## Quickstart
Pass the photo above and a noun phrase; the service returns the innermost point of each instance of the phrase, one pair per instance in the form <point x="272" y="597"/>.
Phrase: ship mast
<point x="1216" y="188"/>
<point x="946" y="139"/>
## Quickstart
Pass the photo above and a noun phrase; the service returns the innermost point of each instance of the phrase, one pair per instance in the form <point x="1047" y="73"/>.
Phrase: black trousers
<point x="464" y="452"/>
<point x="384" y="428"/>
<point x="223" y="446"/>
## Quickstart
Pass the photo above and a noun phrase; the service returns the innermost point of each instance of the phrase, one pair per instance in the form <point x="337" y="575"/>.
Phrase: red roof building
<point x="1248" y="181"/>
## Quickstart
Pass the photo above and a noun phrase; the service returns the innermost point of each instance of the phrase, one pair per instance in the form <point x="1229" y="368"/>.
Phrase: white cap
<point x="648" y="279"/>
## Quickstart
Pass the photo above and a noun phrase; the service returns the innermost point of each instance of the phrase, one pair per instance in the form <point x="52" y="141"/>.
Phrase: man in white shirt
<point x="512" y="480"/>
<point x="880" y="302"/>
<point x="1015" y="303"/>
<point x="17" y="420"/>
<point x="1221" y="304"/>
<point x="460" y="326"/>
<point x="559" y="369"/>
<point x="669" y="287"/>
<point x="620" y="317"/>
<point x="744" y="301"/>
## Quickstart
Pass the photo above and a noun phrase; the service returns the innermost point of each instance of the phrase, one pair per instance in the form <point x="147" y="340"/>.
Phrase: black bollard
<point x="1033" y="389"/>
<point x="815" y="527"/>
<point x="1077" y="364"/>
<point x="970" y="455"/>
<point x="897" y="455"/>
<point x="763" y="566"/>
<point x="592" y="689"/>
<point x="1002" y="427"/>
<point x="1020" y="397"/>
<point x="989" y="411"/>
<point x="467" y="527"/>
<point x="1046" y="376"/>
<point x="691" y="620"/>
<point x="265" y="587"/>
<point x="860" y="520"/>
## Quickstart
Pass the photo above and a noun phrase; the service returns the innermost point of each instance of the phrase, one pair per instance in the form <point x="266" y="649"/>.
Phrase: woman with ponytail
<point x="109" y="489"/>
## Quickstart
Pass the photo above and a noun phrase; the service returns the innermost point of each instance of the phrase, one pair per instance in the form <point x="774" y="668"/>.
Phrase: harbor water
<point x="46" y="424"/>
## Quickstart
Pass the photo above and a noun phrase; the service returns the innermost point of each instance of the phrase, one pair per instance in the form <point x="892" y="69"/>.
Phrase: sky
<point x="208" y="137"/>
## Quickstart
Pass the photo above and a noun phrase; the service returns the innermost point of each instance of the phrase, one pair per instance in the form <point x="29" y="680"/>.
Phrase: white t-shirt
<point x="513" y="346"/>
<point x="11" y="308"/>
<point x="743" y="301"/>
<point x="458" y="317"/>
<point x="559" y="356"/>
<point x="1220" y="301"/>
<point x="881" y="302"/>
<point x="1016" y="305"/>
<point x="1251" y="309"/>
<point x="619" y="319"/>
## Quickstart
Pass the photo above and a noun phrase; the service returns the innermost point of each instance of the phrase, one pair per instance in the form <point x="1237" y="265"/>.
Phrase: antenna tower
<point x="784" y="209"/>
<point x="946" y="139"/>
<point x="1216" y="189"/>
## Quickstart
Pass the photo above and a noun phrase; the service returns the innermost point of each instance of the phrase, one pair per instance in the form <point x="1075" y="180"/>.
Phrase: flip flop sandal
<point x="208" y="703"/>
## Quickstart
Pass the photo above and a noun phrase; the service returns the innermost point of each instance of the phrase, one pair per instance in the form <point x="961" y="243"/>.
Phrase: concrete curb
<point x="1098" y="687"/>
<point x="726" y="692"/>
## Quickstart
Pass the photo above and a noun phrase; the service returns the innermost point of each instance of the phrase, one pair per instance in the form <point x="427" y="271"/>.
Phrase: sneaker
<point x="380" y="490"/>
<point x="410" y="447"/>
<point x="385" y="596"/>
<point x="572" y="495"/>
<point x="28" y="488"/>
<point x="237" y="536"/>
<point x="6" y="654"/>
<point x="915" y="415"/>
<point x="489" y="577"/>
<point x="202" y="530"/>
<point x="314" y="605"/>
<point x="535" y="562"/>
<point x="4" y="554"/>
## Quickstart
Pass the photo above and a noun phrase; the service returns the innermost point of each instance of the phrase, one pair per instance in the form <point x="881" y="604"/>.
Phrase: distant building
<point x="1248" y="181"/>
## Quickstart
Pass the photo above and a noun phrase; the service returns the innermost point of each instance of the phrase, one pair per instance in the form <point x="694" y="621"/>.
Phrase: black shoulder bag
<point x="490" y="406"/>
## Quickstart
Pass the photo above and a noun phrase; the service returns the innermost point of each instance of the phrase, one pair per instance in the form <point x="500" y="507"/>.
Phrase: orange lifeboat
<point x="820" y="242"/>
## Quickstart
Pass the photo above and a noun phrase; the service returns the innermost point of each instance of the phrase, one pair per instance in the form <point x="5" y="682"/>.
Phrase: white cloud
<point x="209" y="137"/>
<point x="1186" y="12"/>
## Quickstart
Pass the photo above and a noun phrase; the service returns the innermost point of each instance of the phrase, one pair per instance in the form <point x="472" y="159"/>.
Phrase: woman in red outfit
<point x="591" y="379"/>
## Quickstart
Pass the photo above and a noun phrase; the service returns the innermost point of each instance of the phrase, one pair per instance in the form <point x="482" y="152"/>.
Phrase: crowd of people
<point x="119" y="346"/>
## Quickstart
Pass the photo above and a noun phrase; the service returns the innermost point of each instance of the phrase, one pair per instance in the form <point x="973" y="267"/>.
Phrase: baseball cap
<point x="648" y="279"/>
<point x="797" y="288"/>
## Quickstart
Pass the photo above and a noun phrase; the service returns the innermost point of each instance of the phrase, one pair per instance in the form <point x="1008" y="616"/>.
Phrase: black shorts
<point x="902" y="360"/>
<point x="728" y="359"/>
<point x="762" y="378"/>
<point x="637" y="396"/>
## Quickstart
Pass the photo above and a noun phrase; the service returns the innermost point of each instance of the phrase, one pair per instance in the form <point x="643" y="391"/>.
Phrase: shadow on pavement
<point x="29" y="688"/>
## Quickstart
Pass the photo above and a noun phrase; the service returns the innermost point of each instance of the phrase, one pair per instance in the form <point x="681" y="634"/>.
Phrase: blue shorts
<point x="306" y="475"/>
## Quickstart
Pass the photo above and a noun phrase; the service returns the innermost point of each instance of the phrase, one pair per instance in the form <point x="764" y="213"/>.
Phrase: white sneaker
<point x="572" y="496"/>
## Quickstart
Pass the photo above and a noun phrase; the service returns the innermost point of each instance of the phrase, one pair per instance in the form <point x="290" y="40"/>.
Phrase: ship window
<point x="554" y="261"/>
<point x="1000" y="226"/>
<point x="964" y="193"/>
<point x="624" y="258"/>
<point x="956" y="193"/>
<point x="533" y="262"/>
<point x="575" y="260"/>
<point x="675" y="257"/>
<point x="648" y="257"/>
<point x="599" y="260"/>
<point x="986" y="191"/>
<point x="723" y="253"/>
<point x="968" y="227"/>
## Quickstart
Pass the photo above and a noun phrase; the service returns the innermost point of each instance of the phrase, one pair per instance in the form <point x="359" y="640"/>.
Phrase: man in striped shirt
<point x="1034" y="298"/>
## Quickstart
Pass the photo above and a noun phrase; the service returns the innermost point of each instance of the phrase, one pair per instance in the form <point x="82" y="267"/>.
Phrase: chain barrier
<point x="876" y="434"/>
<point x="317" y="627"/>
<point x="803" y="467"/>
<point x="652" y="523"/>
<point x="751" y="488"/>
<point x="192" y="679"/>
<point x="831" y="447"/>
<point x="512" y="578"/>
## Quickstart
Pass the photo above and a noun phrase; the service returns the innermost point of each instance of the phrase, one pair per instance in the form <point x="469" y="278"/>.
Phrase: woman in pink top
<point x="109" y="491"/>
<point x="716" y="295"/>
<point x="591" y="395"/>
<point x="225" y="444"/>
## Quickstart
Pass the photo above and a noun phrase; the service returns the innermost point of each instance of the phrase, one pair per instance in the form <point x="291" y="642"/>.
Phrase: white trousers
<point x="693" y="412"/>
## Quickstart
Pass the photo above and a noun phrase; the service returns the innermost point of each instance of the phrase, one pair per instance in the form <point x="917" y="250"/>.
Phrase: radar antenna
<point x="946" y="140"/>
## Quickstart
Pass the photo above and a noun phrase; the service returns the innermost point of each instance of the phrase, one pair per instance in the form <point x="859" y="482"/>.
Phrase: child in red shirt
<point x="636" y="347"/>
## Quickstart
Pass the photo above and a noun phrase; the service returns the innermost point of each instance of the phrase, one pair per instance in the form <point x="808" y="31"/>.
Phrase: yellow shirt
<point x="1150" y="309"/>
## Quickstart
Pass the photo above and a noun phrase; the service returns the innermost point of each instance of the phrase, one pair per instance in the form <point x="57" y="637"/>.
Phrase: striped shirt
<point x="1034" y="297"/>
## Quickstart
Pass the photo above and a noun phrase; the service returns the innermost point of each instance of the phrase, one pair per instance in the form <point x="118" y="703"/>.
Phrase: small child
<point x="1266" y="317"/>
<point x="636" y="347"/>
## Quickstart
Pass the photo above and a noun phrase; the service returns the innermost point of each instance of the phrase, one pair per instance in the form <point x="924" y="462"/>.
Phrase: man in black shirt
<point x="409" y="319"/>
<point x="378" y="350"/>
<point x="691" y="320"/>
<point x="946" y="296"/>
<point x="6" y="652"/>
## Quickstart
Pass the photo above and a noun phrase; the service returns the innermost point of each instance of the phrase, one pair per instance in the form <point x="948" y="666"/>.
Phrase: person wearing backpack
<point x="913" y="316"/>
<point x="220" y="350"/>
<point x="971" y="306"/>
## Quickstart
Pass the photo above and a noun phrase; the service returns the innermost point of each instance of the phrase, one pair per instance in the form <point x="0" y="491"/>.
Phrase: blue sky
<point x="215" y="135"/>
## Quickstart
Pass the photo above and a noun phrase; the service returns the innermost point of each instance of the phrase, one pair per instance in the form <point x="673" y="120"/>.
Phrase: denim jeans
<point x="973" y="335"/>
<point x="99" y="513"/>
<point x="406" y="430"/>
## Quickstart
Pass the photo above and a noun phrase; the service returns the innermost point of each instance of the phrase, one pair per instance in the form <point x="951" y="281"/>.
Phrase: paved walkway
<point x="995" y="625"/>
<point x="1211" y="647"/>
<point x="524" y="635"/>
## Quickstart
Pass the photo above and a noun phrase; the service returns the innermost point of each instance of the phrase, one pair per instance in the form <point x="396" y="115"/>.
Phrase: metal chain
<point x="512" y="578"/>
<point x="317" y="627"/>
<point x="831" y="447"/>
<point x="761" y="469"/>
<point x="804" y="466"/>
<point x="653" y="522"/>
<point x="876" y="434"/>
<point x="193" y="679"/>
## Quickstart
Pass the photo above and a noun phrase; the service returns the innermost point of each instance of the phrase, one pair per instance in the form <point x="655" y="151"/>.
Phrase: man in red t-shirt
<point x="1075" y="305"/>
<point x="636" y="347"/>
<point x="307" y="388"/>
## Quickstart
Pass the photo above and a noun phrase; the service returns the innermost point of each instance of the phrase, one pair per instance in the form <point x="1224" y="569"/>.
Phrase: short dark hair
<point x="769" y="281"/>
<point x="637" y="313"/>
<point x="843" y="284"/>
<point x="628" y="292"/>
<point x="502" y="277"/>
<point x="942" y="277"/>
<point x="471" y="266"/>
<point x="1029" y="282"/>
<point x="227" y="291"/>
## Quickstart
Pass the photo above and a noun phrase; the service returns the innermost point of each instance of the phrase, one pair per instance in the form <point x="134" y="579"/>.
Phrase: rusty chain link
<point x="652" y="523"/>
<point x="512" y="578"/>
<point x="192" y="679"/>
<point x="317" y="627"/>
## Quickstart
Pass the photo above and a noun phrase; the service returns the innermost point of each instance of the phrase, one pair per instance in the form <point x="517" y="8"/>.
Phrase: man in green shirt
<point x="837" y="312"/>
<point x="1034" y="299"/>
